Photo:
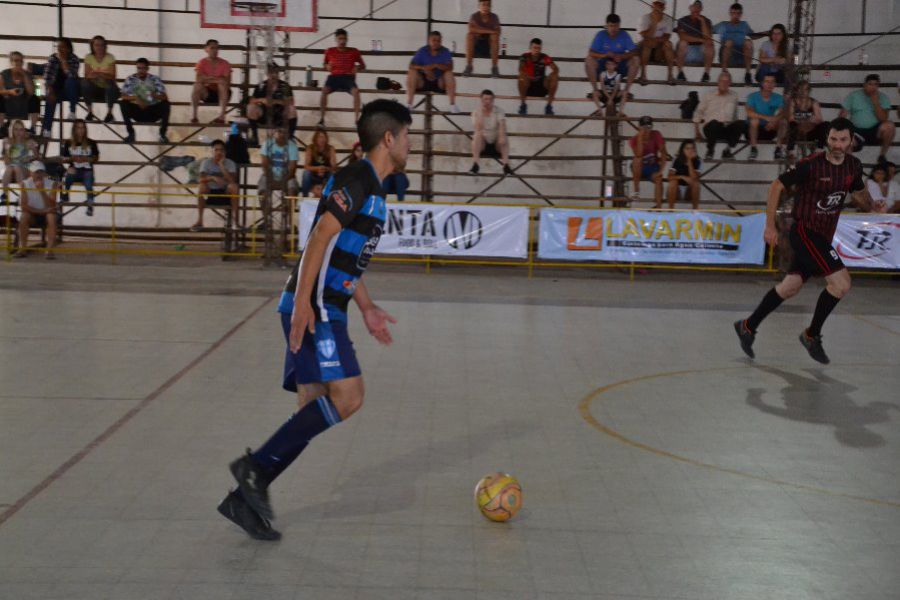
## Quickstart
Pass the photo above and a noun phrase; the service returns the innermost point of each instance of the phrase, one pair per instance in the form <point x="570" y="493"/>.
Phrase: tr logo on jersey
<point x="343" y="201"/>
<point x="463" y="230"/>
<point x="832" y="202"/>
<point x="365" y="255"/>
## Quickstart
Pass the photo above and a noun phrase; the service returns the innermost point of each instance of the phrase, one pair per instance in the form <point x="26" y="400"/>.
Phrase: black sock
<point x="824" y="306"/>
<point x="770" y="302"/>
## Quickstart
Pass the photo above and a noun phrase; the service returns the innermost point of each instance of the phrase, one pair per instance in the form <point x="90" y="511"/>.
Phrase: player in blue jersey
<point x="320" y="363"/>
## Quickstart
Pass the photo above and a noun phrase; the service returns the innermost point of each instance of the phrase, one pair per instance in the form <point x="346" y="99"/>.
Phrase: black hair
<point x="613" y="18"/>
<point x="16" y="53"/>
<point x="486" y="93"/>
<point x="736" y="6"/>
<point x="435" y="32"/>
<point x="340" y="32"/>
<point x="681" y="150"/>
<point x="873" y="77"/>
<point x="215" y="143"/>
<point x="782" y="49"/>
<point x="142" y="61"/>
<point x="537" y="41"/>
<point x="841" y="124"/>
<point x="67" y="42"/>
<point x="94" y="39"/>
<point x="211" y="41"/>
<point x="377" y="118"/>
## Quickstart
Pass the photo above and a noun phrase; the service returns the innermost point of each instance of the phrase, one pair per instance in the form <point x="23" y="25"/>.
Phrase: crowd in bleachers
<point x="613" y="63"/>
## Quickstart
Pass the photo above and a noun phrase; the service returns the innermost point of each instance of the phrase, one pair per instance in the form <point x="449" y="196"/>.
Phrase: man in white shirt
<point x="38" y="208"/>
<point x="489" y="136"/>
<point x="717" y="113"/>
<point x="655" y="30"/>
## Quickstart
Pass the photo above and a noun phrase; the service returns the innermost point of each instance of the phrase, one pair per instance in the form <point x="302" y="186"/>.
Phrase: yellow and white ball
<point x="498" y="496"/>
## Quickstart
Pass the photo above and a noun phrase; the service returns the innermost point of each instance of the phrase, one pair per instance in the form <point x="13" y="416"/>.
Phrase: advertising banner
<point x="641" y="236"/>
<point x="444" y="229"/>
<point x="868" y="241"/>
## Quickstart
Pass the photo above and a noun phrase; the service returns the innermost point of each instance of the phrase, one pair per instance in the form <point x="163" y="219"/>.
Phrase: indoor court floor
<point x="656" y="461"/>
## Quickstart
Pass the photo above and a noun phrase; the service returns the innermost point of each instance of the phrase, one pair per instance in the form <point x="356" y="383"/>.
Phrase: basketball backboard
<point x="285" y="15"/>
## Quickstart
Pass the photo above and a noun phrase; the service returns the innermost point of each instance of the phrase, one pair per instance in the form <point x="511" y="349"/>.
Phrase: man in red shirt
<point x="533" y="78"/>
<point x="823" y="182"/>
<point x="649" y="160"/>
<point x="343" y="63"/>
<point x="212" y="84"/>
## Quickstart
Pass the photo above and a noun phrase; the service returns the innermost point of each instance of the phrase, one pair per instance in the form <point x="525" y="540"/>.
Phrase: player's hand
<point x="303" y="319"/>
<point x="771" y="236"/>
<point x="376" y="321"/>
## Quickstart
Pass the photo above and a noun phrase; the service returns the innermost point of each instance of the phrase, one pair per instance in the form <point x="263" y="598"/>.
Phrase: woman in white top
<point x="38" y="204"/>
<point x="18" y="151"/>
<point x="775" y="56"/>
<point x="885" y="192"/>
<point x="489" y="135"/>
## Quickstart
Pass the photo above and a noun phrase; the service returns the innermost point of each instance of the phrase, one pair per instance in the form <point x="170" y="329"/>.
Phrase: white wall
<point x="833" y="17"/>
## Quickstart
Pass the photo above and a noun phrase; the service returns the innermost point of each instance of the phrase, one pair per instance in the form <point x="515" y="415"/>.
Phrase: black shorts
<point x="214" y="199"/>
<point x="813" y="254"/>
<point x="490" y="150"/>
<point x="431" y="85"/>
<point x="212" y="96"/>
<point x="482" y="47"/>
<point x="536" y="89"/>
<point x="866" y="136"/>
<point x="341" y="83"/>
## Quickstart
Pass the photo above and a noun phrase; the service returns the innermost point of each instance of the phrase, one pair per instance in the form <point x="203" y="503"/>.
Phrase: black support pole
<point x="429" y="18"/>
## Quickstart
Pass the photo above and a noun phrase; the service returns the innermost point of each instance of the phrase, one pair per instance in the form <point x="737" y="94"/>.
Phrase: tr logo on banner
<point x="463" y="230"/>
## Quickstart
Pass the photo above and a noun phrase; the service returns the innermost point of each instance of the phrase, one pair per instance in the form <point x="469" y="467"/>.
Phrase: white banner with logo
<point x="639" y="236"/>
<point x="868" y="241"/>
<point x="444" y="229"/>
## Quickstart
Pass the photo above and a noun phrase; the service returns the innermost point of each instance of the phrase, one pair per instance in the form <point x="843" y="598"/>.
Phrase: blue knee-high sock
<point x="291" y="439"/>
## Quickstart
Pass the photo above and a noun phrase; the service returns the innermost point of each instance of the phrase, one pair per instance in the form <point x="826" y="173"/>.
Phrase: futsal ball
<point x="498" y="496"/>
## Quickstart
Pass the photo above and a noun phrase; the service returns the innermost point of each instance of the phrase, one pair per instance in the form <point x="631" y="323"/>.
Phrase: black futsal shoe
<point x="253" y="483"/>
<point x="746" y="336"/>
<point x="235" y="509"/>
<point x="813" y="345"/>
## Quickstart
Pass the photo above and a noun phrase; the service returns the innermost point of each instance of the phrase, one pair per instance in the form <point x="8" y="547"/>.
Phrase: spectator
<point x="533" y="79"/>
<point x="17" y="97"/>
<point x="144" y="100"/>
<point x="766" y="118"/>
<point x="60" y="82"/>
<point x="218" y="178"/>
<point x="775" y="56"/>
<point x="868" y="111"/>
<point x="649" y="160"/>
<point x="276" y="93"/>
<point x="717" y="112"/>
<point x="483" y="38"/>
<point x="37" y="204"/>
<point x="737" y="44"/>
<point x="885" y="192"/>
<point x="80" y="152"/>
<point x="18" y="150"/>
<point x="431" y="70"/>
<point x="213" y="82"/>
<point x="279" y="155"/>
<point x="343" y="64"/>
<point x="319" y="163"/>
<point x="805" y="121"/>
<point x="99" y="81"/>
<point x="894" y="188"/>
<point x="684" y="177"/>
<point x="396" y="183"/>
<point x="615" y="44"/>
<point x="611" y="89"/>
<point x="355" y="154"/>
<point x="489" y="133"/>
<point x="655" y="29"/>
<point x="695" y="43"/>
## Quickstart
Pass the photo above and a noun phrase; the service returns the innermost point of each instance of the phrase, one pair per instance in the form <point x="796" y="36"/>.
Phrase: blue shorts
<point x="327" y="356"/>
<point x="341" y="83"/>
<point x="694" y="54"/>
<point x="647" y="171"/>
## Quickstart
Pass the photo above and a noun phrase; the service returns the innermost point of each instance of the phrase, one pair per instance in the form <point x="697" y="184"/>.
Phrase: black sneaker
<point x="523" y="109"/>
<point x="727" y="154"/>
<point x="710" y="154"/>
<point x="507" y="170"/>
<point x="89" y="211"/>
<point x="754" y="153"/>
<point x="129" y="139"/>
<point x="681" y="76"/>
<point x="705" y="77"/>
<point x="746" y="336"/>
<point x="747" y="78"/>
<point x="813" y="345"/>
<point x="548" y="110"/>
<point x="475" y="169"/>
<point x="779" y="153"/>
<point x="253" y="484"/>
<point x="108" y="118"/>
<point x="235" y="508"/>
<point x="164" y="139"/>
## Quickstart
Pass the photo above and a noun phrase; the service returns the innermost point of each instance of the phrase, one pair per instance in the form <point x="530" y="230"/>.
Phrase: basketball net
<point x="262" y="32"/>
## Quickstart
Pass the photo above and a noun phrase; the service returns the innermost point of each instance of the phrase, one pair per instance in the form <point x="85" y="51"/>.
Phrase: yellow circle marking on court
<point x="585" y="407"/>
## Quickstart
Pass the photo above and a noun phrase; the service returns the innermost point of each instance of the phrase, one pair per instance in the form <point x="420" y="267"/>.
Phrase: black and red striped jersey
<point x="821" y="190"/>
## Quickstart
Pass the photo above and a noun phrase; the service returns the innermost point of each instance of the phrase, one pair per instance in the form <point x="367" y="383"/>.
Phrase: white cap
<point x="37" y="166"/>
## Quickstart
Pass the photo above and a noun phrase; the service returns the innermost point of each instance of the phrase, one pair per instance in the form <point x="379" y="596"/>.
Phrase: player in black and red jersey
<point x="822" y="181"/>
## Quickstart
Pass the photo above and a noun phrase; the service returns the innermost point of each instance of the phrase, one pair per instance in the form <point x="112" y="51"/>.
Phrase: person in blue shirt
<point x="736" y="34"/>
<point x="616" y="44"/>
<point x="431" y="70"/>
<point x="766" y="117"/>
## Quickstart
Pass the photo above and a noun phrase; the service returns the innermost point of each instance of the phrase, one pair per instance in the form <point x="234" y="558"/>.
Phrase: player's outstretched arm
<point x="375" y="318"/>
<point x="303" y="318"/>
<point x="771" y="233"/>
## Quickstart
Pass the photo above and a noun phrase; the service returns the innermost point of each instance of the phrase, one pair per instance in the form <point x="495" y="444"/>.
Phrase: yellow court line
<point x="876" y="325"/>
<point x="585" y="408"/>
